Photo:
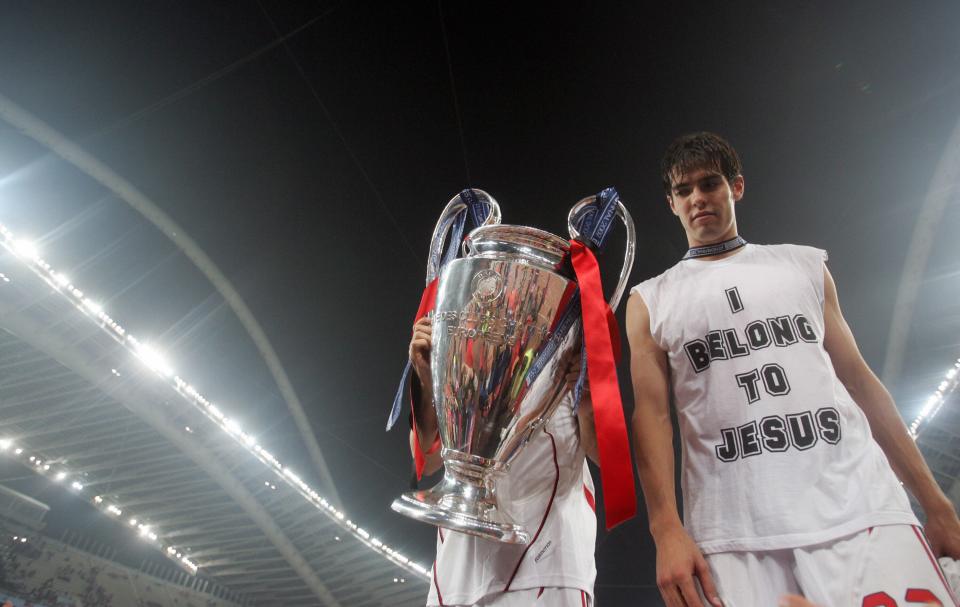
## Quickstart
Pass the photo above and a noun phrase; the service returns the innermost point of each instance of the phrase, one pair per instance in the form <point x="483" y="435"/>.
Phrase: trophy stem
<point x="465" y="500"/>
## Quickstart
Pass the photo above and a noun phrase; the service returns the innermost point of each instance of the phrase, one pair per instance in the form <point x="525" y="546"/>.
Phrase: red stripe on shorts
<point x="933" y="561"/>
<point x="590" y="500"/>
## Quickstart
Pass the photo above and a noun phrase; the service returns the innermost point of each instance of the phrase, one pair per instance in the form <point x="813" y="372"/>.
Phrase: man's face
<point x="703" y="200"/>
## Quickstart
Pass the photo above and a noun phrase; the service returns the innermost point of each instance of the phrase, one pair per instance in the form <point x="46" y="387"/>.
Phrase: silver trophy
<point x="497" y="309"/>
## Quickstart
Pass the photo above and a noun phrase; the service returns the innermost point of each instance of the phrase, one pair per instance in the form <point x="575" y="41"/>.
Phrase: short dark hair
<point x="694" y="151"/>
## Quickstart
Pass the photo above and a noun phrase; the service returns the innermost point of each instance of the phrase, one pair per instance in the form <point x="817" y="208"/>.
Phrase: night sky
<point x="311" y="170"/>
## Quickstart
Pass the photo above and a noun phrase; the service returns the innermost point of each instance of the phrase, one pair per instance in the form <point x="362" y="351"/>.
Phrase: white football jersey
<point x="776" y="454"/>
<point x="548" y="489"/>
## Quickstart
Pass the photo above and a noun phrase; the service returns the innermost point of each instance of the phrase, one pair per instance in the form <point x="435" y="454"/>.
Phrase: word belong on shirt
<point x="725" y="344"/>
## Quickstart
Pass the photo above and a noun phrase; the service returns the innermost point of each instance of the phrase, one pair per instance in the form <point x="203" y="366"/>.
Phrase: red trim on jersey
<point x="436" y="584"/>
<point x="440" y="533"/>
<point x="590" y="500"/>
<point x="540" y="593"/>
<point x="556" y="481"/>
<point x="583" y="598"/>
<point x="933" y="561"/>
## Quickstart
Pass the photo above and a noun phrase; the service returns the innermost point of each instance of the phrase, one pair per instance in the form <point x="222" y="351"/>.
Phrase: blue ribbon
<point x="595" y="220"/>
<point x="476" y="213"/>
<point x="571" y="314"/>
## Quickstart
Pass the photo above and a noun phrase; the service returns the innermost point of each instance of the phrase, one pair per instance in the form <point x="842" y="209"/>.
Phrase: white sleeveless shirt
<point x="776" y="454"/>
<point x="549" y="491"/>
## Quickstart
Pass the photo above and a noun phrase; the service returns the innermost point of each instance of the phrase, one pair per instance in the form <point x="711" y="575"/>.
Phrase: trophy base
<point x="461" y="502"/>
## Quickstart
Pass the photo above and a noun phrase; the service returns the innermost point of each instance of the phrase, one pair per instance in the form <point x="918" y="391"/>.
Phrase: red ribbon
<point x="427" y="301"/>
<point x="616" y="470"/>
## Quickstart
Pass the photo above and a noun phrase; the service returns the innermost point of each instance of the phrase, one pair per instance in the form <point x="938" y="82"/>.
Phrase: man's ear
<point x="673" y="207"/>
<point x="736" y="186"/>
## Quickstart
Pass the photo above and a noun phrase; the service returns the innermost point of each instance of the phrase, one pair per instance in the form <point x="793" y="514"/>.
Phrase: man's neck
<point x="693" y="244"/>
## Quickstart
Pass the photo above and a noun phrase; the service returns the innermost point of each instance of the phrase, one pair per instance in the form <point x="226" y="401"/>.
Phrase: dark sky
<point x="312" y="172"/>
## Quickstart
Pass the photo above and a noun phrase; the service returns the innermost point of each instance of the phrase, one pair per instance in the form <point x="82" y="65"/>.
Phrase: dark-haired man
<point x="785" y="488"/>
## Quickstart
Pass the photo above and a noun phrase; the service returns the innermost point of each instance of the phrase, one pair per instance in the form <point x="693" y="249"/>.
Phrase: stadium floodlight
<point x="60" y="476"/>
<point x="26" y="249"/>
<point x="93" y="306"/>
<point x="154" y="359"/>
<point x="232" y="426"/>
<point x="933" y="404"/>
<point x="5" y="444"/>
<point x="18" y="451"/>
<point x="77" y="485"/>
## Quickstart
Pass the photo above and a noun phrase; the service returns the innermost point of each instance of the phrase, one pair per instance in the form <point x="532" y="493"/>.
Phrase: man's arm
<point x="678" y="558"/>
<point x="421" y="385"/>
<point x="585" y="424"/>
<point x="588" y="430"/>
<point x="943" y="526"/>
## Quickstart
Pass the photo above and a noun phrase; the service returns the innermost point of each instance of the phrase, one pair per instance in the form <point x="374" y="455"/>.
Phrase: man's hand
<point x="943" y="533"/>
<point x="420" y="345"/>
<point x="585" y="423"/>
<point x="422" y="392"/>
<point x="679" y="561"/>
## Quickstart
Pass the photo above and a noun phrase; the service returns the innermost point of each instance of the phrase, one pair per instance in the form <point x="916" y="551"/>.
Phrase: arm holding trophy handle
<point x="449" y="227"/>
<point x="421" y="386"/>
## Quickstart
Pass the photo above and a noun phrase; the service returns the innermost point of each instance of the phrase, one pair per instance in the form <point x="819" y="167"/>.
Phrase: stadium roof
<point x="88" y="405"/>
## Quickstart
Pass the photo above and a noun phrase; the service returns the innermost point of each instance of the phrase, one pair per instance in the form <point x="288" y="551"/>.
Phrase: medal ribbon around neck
<point x="715" y="249"/>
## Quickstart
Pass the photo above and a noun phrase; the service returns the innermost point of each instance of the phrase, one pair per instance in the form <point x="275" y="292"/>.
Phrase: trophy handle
<point x="445" y="224"/>
<point x="629" y="253"/>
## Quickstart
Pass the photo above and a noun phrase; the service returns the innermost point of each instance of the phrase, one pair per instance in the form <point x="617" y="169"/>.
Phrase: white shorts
<point x="536" y="597"/>
<point x="889" y="566"/>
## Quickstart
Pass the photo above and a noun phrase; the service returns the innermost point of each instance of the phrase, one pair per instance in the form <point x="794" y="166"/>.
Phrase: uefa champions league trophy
<point x="503" y="333"/>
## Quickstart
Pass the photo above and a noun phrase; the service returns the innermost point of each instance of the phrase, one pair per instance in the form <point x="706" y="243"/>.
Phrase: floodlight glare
<point x="93" y="306"/>
<point x="26" y="249"/>
<point x="154" y="359"/>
